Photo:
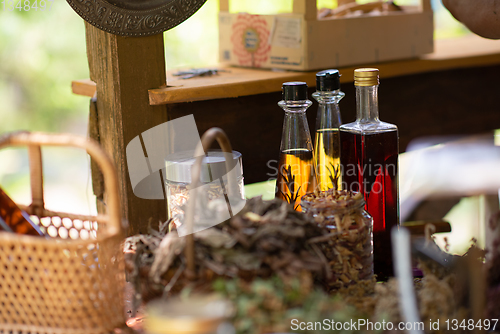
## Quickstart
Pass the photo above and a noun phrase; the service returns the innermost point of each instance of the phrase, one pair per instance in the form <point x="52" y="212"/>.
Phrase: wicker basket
<point x="73" y="281"/>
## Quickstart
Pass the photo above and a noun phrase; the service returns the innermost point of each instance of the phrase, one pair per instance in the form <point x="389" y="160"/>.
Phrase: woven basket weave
<point x="71" y="282"/>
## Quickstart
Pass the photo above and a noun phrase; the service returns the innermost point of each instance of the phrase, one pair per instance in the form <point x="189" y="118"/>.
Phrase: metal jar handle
<point x="207" y="139"/>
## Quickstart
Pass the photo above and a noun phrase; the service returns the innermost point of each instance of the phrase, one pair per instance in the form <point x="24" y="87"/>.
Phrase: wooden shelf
<point x="465" y="52"/>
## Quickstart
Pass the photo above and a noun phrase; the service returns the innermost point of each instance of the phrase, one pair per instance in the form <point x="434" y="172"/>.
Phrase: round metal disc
<point x="135" y="17"/>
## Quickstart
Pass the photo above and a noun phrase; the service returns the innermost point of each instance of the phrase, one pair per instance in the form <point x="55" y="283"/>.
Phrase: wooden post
<point x="124" y="68"/>
<point x="426" y="6"/>
<point x="223" y="5"/>
<point x="305" y="7"/>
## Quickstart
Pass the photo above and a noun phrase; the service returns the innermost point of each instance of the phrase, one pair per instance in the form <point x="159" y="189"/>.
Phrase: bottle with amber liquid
<point x="327" y="143"/>
<point x="296" y="174"/>
<point x="13" y="219"/>
<point x="369" y="159"/>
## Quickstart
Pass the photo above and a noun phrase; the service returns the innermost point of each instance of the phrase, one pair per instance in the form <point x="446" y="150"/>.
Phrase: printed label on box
<point x="249" y="38"/>
<point x="287" y="32"/>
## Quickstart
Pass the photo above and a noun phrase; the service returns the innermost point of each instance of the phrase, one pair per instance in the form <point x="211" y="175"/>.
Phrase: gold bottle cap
<point x="366" y="77"/>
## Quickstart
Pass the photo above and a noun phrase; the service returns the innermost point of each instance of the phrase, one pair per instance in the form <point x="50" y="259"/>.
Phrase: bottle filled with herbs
<point x="328" y="121"/>
<point x="296" y="174"/>
<point x="369" y="159"/>
<point x="349" y="250"/>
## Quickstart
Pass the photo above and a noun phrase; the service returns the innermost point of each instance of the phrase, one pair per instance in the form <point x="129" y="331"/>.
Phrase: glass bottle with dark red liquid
<point x="296" y="174"/>
<point x="369" y="160"/>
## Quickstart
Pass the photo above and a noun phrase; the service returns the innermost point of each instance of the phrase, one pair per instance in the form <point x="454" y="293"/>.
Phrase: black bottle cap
<point x="294" y="91"/>
<point x="327" y="80"/>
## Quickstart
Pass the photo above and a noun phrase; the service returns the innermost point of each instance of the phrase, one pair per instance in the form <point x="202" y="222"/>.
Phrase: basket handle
<point x="36" y="179"/>
<point x="34" y="141"/>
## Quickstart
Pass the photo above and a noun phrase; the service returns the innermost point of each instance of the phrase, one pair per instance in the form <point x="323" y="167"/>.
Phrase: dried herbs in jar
<point x="349" y="249"/>
<point x="214" y="179"/>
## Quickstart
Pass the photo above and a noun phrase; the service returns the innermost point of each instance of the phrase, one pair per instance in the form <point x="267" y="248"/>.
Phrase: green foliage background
<point x="41" y="52"/>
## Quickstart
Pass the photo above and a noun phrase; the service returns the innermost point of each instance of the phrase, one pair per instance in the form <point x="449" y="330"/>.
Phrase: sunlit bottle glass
<point x="328" y="120"/>
<point x="296" y="174"/>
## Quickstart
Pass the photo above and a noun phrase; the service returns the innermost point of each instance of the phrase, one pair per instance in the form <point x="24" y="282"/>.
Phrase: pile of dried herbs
<point x="264" y="262"/>
<point x="266" y="238"/>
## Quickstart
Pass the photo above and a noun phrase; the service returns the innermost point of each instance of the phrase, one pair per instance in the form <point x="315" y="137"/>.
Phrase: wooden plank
<point x="306" y="7"/>
<point x="233" y="83"/>
<point x="124" y="69"/>
<point x="417" y="228"/>
<point x="470" y="51"/>
<point x="84" y="87"/>
<point x="426" y="5"/>
<point x="223" y="5"/>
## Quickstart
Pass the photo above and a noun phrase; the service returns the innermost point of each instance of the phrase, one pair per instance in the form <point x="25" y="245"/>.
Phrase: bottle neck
<point x="296" y="133"/>
<point x="367" y="104"/>
<point x="328" y="116"/>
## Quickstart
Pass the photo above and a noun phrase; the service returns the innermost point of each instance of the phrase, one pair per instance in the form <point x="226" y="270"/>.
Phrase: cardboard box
<point x="299" y="41"/>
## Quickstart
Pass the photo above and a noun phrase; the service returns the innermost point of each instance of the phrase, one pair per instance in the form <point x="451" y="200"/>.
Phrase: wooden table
<point x="466" y="52"/>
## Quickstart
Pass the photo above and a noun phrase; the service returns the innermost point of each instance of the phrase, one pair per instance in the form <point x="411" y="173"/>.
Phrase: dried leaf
<point x="215" y="238"/>
<point x="170" y="247"/>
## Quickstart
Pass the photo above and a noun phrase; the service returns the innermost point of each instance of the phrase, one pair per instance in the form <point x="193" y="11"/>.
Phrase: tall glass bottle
<point x="327" y="143"/>
<point x="296" y="174"/>
<point x="369" y="159"/>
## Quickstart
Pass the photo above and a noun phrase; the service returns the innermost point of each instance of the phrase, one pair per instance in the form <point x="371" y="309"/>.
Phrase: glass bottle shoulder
<point x="295" y="106"/>
<point x="368" y="127"/>
<point x="329" y="96"/>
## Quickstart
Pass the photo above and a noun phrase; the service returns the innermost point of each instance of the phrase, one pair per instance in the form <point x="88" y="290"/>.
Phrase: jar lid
<point x="365" y="77"/>
<point x="178" y="165"/>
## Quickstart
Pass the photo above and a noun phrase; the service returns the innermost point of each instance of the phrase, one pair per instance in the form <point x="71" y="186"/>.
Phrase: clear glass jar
<point x="213" y="177"/>
<point x="349" y="249"/>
